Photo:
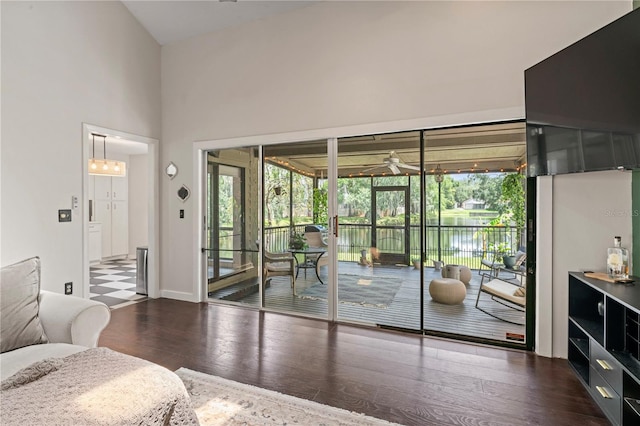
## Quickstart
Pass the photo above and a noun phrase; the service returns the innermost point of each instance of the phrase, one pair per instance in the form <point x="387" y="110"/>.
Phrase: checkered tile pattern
<point x="113" y="283"/>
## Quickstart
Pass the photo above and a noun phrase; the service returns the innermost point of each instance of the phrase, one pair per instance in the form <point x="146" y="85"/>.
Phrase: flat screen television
<point x="583" y="103"/>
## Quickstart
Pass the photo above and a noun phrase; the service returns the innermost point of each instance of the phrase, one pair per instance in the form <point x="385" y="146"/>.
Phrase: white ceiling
<point x="171" y="21"/>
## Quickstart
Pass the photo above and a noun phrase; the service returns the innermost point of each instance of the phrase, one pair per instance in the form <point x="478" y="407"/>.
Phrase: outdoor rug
<point x="219" y="401"/>
<point x="358" y="290"/>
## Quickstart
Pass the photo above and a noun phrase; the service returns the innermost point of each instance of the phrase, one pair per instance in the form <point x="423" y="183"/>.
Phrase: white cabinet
<point x="119" y="188"/>
<point x="112" y="210"/>
<point x="102" y="187"/>
<point x="95" y="242"/>
<point x="119" y="228"/>
<point x="102" y="214"/>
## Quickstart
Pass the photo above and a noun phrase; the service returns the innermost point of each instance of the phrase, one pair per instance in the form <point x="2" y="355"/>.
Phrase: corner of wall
<point x="635" y="220"/>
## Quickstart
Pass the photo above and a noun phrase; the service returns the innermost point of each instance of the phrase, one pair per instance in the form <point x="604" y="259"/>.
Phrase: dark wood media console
<point x="604" y="344"/>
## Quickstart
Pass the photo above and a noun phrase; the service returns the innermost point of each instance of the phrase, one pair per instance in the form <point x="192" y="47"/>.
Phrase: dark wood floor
<point x="404" y="378"/>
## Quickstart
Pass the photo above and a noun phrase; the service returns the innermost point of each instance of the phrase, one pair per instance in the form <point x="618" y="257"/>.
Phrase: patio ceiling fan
<point x="394" y="163"/>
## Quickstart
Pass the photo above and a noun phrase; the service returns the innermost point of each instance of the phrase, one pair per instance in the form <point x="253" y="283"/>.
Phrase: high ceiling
<point x="468" y="149"/>
<point x="485" y="148"/>
<point x="172" y="21"/>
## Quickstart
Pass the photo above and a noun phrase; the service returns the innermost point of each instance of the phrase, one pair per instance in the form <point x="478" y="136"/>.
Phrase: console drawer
<point x="606" y="365"/>
<point x="606" y="397"/>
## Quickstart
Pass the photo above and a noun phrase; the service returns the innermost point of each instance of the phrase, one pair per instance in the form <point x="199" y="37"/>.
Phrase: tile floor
<point x="113" y="282"/>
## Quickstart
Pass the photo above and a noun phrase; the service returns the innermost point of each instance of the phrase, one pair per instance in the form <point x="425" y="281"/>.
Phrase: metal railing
<point x="462" y="245"/>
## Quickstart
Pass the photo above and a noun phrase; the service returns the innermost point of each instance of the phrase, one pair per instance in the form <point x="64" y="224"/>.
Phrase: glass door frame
<point x="213" y="170"/>
<point x="260" y="141"/>
<point x="332" y="237"/>
<point x="407" y="219"/>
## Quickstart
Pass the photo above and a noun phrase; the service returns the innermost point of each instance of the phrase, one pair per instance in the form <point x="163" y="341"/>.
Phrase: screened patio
<point x="384" y="227"/>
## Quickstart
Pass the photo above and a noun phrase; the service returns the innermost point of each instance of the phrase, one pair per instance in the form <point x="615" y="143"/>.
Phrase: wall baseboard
<point x="179" y="295"/>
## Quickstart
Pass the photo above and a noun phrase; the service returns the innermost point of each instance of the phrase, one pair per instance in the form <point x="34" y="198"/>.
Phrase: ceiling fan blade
<point x="394" y="169"/>
<point x="408" y="166"/>
<point x="373" y="168"/>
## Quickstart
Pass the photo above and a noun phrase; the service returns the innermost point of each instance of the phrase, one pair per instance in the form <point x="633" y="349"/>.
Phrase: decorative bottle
<point x="617" y="260"/>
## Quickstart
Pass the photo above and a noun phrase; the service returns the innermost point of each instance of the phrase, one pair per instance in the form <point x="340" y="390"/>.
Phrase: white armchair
<point x="71" y="324"/>
<point x="68" y="319"/>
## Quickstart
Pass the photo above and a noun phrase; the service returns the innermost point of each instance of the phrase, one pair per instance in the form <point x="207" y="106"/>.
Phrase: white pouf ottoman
<point x="465" y="273"/>
<point x="447" y="291"/>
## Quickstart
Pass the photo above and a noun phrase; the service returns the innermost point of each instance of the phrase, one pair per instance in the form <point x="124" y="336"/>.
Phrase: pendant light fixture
<point x="92" y="163"/>
<point x="104" y="167"/>
<point x="438" y="174"/>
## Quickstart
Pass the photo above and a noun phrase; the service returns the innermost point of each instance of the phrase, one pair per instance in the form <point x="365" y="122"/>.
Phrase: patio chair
<point x="315" y="240"/>
<point x="495" y="266"/>
<point x="509" y="294"/>
<point x="490" y="262"/>
<point x="280" y="265"/>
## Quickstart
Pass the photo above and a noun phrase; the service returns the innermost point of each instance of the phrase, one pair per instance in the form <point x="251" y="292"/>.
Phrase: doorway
<point x="391" y="224"/>
<point x="119" y="214"/>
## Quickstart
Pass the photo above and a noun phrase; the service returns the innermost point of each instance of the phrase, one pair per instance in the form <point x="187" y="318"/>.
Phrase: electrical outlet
<point x="68" y="288"/>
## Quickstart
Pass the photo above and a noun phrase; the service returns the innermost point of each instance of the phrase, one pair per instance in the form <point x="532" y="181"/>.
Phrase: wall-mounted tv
<point x="583" y="103"/>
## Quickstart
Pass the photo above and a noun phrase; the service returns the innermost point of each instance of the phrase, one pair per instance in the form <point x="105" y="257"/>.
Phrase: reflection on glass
<point x="232" y="226"/>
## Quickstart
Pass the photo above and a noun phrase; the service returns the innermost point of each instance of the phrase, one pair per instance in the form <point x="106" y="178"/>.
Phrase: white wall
<point x="138" y="172"/>
<point x="65" y="63"/>
<point x="584" y="224"/>
<point x="338" y="64"/>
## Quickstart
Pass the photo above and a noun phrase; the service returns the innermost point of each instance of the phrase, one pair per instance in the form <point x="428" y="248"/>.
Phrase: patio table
<point x="308" y="263"/>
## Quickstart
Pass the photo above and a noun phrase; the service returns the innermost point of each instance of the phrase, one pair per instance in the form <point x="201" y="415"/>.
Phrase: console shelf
<point x="604" y="344"/>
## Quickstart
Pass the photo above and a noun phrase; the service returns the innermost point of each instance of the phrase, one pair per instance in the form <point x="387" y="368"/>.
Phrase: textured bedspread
<point x="95" y="387"/>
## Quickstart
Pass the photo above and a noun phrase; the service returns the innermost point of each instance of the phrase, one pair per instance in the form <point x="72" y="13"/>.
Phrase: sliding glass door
<point x="296" y="252"/>
<point x="378" y="193"/>
<point x="473" y="223"/>
<point x="364" y="229"/>
<point x="232" y="225"/>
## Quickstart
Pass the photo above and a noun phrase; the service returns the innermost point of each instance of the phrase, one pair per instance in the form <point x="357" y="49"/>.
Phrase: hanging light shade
<point x="438" y="174"/>
<point x="104" y="167"/>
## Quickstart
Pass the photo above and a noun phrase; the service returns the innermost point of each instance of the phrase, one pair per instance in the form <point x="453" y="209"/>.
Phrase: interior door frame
<point x="153" y="259"/>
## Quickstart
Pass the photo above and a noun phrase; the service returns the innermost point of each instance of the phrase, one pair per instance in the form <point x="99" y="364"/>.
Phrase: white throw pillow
<point x="19" y="306"/>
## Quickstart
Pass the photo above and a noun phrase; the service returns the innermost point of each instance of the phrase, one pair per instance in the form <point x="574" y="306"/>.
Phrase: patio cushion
<point x="519" y="292"/>
<point x="503" y="290"/>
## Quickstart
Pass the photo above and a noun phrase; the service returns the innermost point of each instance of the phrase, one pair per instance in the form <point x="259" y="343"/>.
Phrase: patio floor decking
<point x="404" y="310"/>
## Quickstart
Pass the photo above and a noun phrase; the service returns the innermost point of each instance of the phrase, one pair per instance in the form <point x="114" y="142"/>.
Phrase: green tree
<point x="302" y="198"/>
<point x="320" y="212"/>
<point x="448" y="193"/>
<point x="276" y="195"/>
<point x="513" y="197"/>
<point x="463" y="191"/>
<point x="354" y="194"/>
<point x="487" y="187"/>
